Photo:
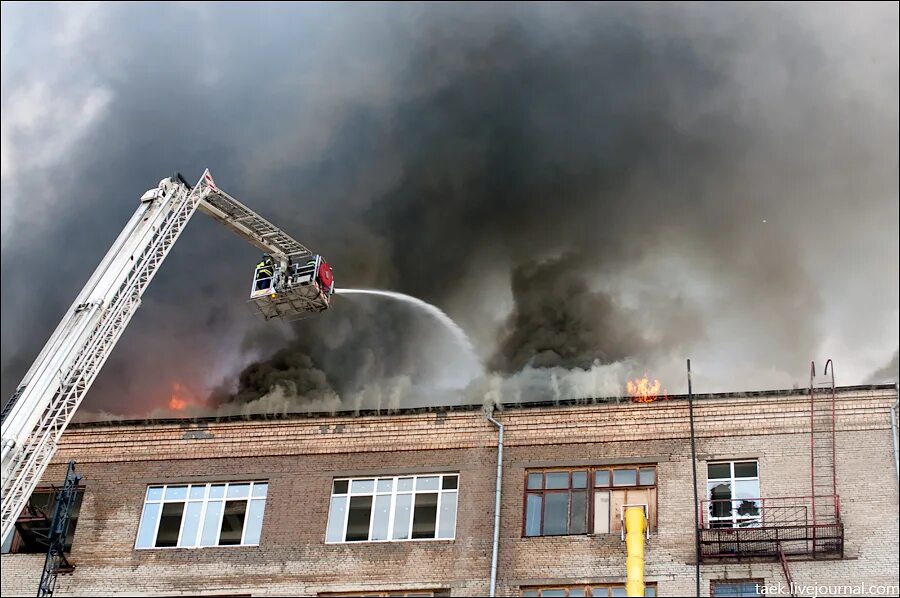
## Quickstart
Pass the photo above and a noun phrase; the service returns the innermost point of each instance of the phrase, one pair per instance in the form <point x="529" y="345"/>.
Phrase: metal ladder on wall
<point x="56" y="561"/>
<point x="823" y="475"/>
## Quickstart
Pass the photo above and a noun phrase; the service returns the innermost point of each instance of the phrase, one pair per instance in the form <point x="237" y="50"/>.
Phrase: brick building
<point x="403" y="503"/>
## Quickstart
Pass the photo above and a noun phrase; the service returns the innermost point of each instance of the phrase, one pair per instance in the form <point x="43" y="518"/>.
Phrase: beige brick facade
<point x="300" y="456"/>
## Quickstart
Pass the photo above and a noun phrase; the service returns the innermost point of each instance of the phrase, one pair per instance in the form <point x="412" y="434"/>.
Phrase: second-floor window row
<point x="418" y="507"/>
<point x="195" y="515"/>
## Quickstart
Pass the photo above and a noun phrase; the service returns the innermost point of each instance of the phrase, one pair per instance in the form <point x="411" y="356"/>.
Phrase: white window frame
<point x="734" y="518"/>
<point x="205" y="500"/>
<point x="394" y="492"/>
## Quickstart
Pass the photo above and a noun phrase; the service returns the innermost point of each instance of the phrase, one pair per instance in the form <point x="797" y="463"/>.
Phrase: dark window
<point x="358" y="518"/>
<point x="233" y="522"/>
<point x="33" y="524"/>
<point x="737" y="588"/>
<point x="560" y="502"/>
<point x="425" y="516"/>
<point x="169" y="524"/>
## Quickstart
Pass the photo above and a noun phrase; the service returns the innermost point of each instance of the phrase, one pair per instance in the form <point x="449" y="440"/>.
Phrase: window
<point x="733" y="490"/>
<point x="196" y="515"/>
<point x="737" y="588"/>
<point x="569" y="502"/>
<point x="33" y="524"/>
<point x="586" y="590"/>
<point x="398" y="508"/>
<point x="393" y="593"/>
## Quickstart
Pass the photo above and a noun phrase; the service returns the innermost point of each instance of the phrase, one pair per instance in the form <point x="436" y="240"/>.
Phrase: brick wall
<point x="300" y="456"/>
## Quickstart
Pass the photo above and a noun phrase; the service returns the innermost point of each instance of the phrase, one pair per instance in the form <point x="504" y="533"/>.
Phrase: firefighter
<point x="264" y="272"/>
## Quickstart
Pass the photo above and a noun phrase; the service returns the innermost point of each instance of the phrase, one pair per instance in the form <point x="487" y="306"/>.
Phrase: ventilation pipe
<point x="635" y="517"/>
<point x="496" y="545"/>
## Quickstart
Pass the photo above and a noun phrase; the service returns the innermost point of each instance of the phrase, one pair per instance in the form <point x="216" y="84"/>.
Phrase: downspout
<point x="894" y="433"/>
<point x="496" y="546"/>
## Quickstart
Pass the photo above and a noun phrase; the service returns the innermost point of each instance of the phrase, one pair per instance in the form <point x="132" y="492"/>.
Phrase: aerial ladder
<point x="289" y="282"/>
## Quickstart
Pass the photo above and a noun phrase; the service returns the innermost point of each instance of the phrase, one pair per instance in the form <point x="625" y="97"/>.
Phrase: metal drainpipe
<point x="894" y="433"/>
<point x="496" y="546"/>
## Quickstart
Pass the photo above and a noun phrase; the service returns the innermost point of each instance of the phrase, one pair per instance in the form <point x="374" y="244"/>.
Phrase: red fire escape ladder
<point x="787" y="571"/>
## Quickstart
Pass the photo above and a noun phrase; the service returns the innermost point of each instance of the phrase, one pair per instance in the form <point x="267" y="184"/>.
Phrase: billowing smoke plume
<point x="592" y="191"/>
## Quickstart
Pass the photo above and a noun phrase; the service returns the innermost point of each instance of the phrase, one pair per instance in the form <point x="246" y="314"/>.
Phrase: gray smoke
<point x="593" y="189"/>
<point x="890" y="372"/>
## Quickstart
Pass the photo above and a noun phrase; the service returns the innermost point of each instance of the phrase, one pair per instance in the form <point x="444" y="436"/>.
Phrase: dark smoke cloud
<point x="602" y="187"/>
<point x="558" y="322"/>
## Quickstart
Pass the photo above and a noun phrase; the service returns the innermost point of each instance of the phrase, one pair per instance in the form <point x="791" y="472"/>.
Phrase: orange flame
<point x="643" y="390"/>
<point x="179" y="398"/>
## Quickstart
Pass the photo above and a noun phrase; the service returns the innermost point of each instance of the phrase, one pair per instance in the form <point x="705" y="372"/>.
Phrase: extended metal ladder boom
<point x="45" y="401"/>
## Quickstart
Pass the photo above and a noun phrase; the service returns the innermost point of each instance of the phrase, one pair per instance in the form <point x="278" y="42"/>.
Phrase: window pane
<point x="359" y="517"/>
<point x="450" y="482"/>
<point x="361" y="487"/>
<point x="385" y="485"/>
<point x="601" y="478"/>
<point x="254" y="521"/>
<point x="624" y="477"/>
<point x="340" y="487"/>
<point x="198" y="492"/>
<point x="233" y="522"/>
<point x="720" y="495"/>
<point x="425" y="515"/>
<point x="535" y="480"/>
<point x="402" y="512"/>
<point x="260" y="490"/>
<point x="335" y="530"/>
<point x="579" y="513"/>
<point x="616" y="592"/>
<point x="715" y="471"/>
<point x="746" y="489"/>
<point x="553" y="593"/>
<point x="448" y="515"/>
<point x="599" y="592"/>
<point x="650" y="591"/>
<point x="148" y="524"/>
<point x="191" y="524"/>
<point x="210" y="534"/>
<point x="647" y="476"/>
<point x="745" y="470"/>
<point x="217" y="491"/>
<point x="176" y="492"/>
<point x="556" y="513"/>
<point x="558" y="479"/>
<point x="154" y="493"/>
<point x="601" y="512"/>
<point x="427" y="483"/>
<point x="404" y="484"/>
<point x="576" y="592"/>
<point x="169" y="524"/>
<point x="238" y="491"/>
<point x="579" y="479"/>
<point x="381" y="517"/>
<point x="533" y="508"/>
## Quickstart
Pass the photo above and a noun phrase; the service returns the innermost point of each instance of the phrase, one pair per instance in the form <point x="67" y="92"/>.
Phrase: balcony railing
<point x="765" y="527"/>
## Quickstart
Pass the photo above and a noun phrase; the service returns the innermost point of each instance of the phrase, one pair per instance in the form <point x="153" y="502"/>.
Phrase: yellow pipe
<point x="635" y="526"/>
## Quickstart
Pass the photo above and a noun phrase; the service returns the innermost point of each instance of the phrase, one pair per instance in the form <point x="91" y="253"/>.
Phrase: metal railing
<point x="767" y="527"/>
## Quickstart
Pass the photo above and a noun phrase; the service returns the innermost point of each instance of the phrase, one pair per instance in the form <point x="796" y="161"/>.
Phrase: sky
<point x="592" y="191"/>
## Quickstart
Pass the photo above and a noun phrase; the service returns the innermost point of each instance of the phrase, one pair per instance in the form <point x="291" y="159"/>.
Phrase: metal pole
<point x="696" y="496"/>
<point x="894" y="434"/>
<point x="496" y="546"/>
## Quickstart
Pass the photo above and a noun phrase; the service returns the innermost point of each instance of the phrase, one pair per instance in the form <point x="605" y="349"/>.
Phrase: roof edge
<point x="451" y="408"/>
